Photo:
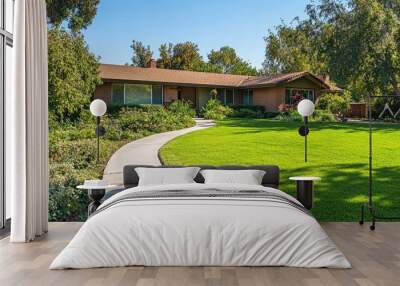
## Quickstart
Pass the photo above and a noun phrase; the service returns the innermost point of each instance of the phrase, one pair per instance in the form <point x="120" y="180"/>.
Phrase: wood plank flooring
<point x="375" y="257"/>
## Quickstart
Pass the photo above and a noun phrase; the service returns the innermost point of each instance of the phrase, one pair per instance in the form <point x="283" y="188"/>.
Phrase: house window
<point x="247" y="96"/>
<point x="118" y="94"/>
<point x="294" y="95"/>
<point x="221" y="95"/>
<point x="136" y="94"/>
<point x="225" y="96"/>
<point x="157" y="94"/>
<point x="229" y="96"/>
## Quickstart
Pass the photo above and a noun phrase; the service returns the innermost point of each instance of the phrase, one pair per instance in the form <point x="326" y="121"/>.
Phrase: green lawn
<point x="338" y="152"/>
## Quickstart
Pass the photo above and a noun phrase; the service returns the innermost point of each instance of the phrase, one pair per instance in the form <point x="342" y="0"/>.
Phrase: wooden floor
<point x="375" y="257"/>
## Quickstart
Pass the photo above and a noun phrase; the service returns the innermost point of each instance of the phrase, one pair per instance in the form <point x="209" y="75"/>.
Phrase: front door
<point x="203" y="95"/>
<point x="187" y="94"/>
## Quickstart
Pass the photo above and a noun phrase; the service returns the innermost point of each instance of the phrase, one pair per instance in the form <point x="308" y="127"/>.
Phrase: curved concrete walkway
<point x="144" y="151"/>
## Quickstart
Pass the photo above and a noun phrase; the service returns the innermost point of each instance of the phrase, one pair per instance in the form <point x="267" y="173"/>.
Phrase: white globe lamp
<point x="305" y="108"/>
<point x="98" y="108"/>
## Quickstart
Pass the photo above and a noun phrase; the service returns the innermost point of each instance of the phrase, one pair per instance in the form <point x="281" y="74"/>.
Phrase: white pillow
<point x="166" y="176"/>
<point x="247" y="177"/>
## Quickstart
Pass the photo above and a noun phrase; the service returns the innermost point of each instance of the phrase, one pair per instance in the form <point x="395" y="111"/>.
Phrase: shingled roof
<point x="273" y="80"/>
<point x="179" y="77"/>
<point x="157" y="75"/>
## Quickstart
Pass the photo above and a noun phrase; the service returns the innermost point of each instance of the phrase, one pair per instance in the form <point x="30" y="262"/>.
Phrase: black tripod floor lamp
<point x="98" y="108"/>
<point x="370" y="207"/>
<point x="305" y="108"/>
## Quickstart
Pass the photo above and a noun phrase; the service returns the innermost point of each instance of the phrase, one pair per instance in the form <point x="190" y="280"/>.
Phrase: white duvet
<point x="200" y="231"/>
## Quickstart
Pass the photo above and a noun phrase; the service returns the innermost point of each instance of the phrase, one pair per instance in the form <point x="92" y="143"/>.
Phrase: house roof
<point x="273" y="79"/>
<point x="158" y="75"/>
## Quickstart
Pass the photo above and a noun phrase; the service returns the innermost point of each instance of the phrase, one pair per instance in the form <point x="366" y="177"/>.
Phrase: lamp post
<point x="305" y="108"/>
<point x="98" y="108"/>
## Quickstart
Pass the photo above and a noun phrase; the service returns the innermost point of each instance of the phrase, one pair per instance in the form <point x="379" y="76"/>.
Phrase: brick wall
<point x="170" y="94"/>
<point x="104" y="92"/>
<point x="271" y="98"/>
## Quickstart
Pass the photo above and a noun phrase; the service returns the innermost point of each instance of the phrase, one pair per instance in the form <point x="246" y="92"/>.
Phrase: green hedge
<point x="246" y="113"/>
<point x="252" y="111"/>
<point x="319" y="116"/>
<point x="291" y="115"/>
<point x="113" y="108"/>
<point x="255" y="108"/>
<point x="323" y="116"/>
<point x="271" y="114"/>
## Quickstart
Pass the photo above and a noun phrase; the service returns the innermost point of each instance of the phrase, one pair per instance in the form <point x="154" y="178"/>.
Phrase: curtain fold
<point x="27" y="120"/>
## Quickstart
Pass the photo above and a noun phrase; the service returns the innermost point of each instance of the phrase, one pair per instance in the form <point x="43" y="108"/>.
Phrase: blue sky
<point x="211" y="24"/>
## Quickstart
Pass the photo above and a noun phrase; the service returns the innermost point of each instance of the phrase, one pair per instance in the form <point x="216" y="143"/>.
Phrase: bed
<point x="201" y="224"/>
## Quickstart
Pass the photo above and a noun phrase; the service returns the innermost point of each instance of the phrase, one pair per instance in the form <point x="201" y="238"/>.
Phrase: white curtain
<point x="27" y="124"/>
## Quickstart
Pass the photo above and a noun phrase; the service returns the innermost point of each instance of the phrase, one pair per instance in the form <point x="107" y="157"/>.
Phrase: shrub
<point x="256" y="108"/>
<point x="79" y="138"/>
<point x="152" y="108"/>
<point x="66" y="203"/>
<point x="215" y="110"/>
<point x="158" y="120"/>
<point x="247" y="113"/>
<point x="335" y="103"/>
<point x="323" y="116"/>
<point x="291" y="115"/>
<point x="182" y="107"/>
<point x="114" y="109"/>
<point x="271" y="114"/>
<point x="318" y="115"/>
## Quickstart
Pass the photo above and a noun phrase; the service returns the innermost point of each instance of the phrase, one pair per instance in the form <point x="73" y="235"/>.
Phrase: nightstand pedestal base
<point x="305" y="190"/>
<point x="95" y="195"/>
<point x="305" y="193"/>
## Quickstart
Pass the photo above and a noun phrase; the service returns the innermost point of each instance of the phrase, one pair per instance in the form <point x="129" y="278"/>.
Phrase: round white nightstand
<point x="305" y="190"/>
<point x="95" y="193"/>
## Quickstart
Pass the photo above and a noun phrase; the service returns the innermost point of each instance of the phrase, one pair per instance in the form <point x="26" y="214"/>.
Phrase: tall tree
<point x="73" y="69"/>
<point x="291" y="49"/>
<point x="369" y="58"/>
<point x="227" y="61"/>
<point x="186" y="56"/>
<point x="142" y="55"/>
<point x="355" y="41"/>
<point x="166" y="55"/>
<point x="79" y="14"/>
<point x="73" y="75"/>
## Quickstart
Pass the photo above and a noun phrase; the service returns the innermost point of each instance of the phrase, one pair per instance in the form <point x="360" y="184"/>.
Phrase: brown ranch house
<point x="129" y="85"/>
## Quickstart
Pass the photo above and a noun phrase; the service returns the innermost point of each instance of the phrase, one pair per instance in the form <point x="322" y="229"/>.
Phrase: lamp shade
<point x="305" y="107"/>
<point x="98" y="107"/>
